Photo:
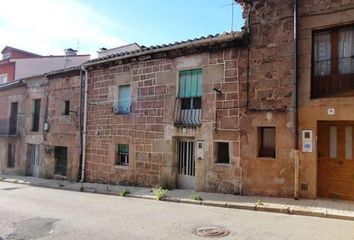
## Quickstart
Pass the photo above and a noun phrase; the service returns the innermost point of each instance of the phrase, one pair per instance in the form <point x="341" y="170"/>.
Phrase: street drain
<point x="212" y="232"/>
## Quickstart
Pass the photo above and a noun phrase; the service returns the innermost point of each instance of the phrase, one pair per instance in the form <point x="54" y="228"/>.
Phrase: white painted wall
<point x="35" y="66"/>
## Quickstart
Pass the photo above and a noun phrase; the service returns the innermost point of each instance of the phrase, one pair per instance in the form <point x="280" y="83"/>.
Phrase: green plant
<point x="61" y="184"/>
<point x="166" y="183"/>
<point x="124" y="193"/>
<point x="159" y="192"/>
<point x="195" y="196"/>
<point x="259" y="202"/>
<point x="15" y="181"/>
<point x="2" y="178"/>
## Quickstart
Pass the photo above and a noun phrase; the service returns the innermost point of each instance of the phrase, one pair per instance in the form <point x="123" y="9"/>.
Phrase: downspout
<point x="295" y="108"/>
<point x="84" y="131"/>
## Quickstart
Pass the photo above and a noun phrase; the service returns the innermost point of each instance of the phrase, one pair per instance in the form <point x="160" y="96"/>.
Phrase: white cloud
<point x="47" y="27"/>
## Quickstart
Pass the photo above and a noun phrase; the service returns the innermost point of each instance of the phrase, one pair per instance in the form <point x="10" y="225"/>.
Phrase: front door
<point x="186" y="165"/>
<point x="34" y="159"/>
<point x="335" y="176"/>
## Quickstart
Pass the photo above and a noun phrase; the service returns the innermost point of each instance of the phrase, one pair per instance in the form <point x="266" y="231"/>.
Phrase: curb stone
<point x="236" y="205"/>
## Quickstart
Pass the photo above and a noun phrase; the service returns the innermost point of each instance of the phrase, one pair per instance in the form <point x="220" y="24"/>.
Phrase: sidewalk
<point x="326" y="208"/>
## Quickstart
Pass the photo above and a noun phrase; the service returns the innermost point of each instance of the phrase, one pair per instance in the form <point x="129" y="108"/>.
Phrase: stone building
<point x="39" y="125"/>
<point x="167" y="115"/>
<point x="265" y="111"/>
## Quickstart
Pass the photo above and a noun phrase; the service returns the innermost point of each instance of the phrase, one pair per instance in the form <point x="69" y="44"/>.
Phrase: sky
<point x="47" y="27"/>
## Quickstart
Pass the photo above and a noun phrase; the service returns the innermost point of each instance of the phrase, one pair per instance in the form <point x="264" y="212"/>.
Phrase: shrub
<point x="159" y="193"/>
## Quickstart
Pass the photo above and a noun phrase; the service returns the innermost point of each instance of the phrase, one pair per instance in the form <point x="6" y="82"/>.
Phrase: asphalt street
<point x="28" y="212"/>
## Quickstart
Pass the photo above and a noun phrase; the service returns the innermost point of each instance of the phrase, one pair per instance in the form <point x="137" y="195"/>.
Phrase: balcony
<point x="333" y="78"/>
<point x="184" y="117"/>
<point x="9" y="126"/>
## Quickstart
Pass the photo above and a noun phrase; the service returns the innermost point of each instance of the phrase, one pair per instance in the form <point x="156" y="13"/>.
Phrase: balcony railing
<point x="186" y="117"/>
<point x="9" y="126"/>
<point x="333" y="78"/>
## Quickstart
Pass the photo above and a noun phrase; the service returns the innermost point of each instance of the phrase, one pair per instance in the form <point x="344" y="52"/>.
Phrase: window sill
<point x="121" y="166"/>
<point x="222" y="164"/>
<point x="266" y="158"/>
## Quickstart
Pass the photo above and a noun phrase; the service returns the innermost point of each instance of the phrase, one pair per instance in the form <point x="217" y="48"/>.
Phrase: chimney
<point x="70" y="52"/>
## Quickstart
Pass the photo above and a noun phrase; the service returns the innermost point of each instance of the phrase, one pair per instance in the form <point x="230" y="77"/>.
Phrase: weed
<point x="259" y="202"/>
<point x="159" y="193"/>
<point x="195" y="196"/>
<point x="124" y="193"/>
<point x="61" y="184"/>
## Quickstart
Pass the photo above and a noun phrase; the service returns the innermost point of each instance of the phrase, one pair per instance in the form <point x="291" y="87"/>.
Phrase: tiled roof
<point x="11" y="84"/>
<point x="211" y="39"/>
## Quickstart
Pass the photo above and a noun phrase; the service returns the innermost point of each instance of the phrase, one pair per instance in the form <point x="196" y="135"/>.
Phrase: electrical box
<point x="307" y="140"/>
<point x="200" y="150"/>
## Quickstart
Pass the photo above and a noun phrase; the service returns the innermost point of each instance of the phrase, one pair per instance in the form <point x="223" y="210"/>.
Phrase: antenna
<point x="78" y="44"/>
<point x="232" y="4"/>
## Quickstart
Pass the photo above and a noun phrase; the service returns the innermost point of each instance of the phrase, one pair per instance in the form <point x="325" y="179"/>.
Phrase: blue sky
<point x="49" y="26"/>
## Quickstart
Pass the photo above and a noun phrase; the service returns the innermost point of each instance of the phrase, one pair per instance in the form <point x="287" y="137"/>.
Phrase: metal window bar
<point x="61" y="161"/>
<point x="334" y="77"/>
<point x="185" y="158"/>
<point x="123" y="154"/>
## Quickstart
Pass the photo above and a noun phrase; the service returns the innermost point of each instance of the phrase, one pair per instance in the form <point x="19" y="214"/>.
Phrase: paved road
<point x="39" y="213"/>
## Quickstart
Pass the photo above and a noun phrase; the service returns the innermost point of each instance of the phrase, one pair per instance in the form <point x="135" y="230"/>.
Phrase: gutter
<point x="294" y="104"/>
<point x="84" y="131"/>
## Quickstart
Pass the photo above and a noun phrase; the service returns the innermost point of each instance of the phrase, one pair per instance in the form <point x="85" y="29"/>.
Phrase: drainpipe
<point x="295" y="108"/>
<point x="84" y="125"/>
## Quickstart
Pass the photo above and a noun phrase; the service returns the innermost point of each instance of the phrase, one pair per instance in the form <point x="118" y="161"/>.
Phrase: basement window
<point x="266" y="142"/>
<point x="222" y="152"/>
<point x="122" y="155"/>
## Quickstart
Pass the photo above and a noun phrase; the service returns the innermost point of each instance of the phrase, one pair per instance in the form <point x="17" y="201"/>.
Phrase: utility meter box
<point x="307" y="140"/>
<point x="200" y="150"/>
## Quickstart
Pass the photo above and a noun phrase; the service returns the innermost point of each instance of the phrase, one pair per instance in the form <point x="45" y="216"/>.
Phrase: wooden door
<point x="335" y="168"/>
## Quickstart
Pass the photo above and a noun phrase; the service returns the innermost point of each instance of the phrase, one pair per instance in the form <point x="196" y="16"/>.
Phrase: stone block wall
<point x="149" y="129"/>
<point x="266" y="99"/>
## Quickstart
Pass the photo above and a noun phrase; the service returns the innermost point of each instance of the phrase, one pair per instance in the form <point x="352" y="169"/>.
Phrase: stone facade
<point x="52" y="90"/>
<point x="150" y="130"/>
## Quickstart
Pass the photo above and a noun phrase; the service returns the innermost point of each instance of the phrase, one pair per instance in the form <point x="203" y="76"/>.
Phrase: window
<point x="3" y="78"/>
<point x="333" y="62"/>
<point x="123" y="105"/>
<point x="189" y="99"/>
<point x="66" y="108"/>
<point x="10" y="155"/>
<point x="266" y="142"/>
<point x="61" y="160"/>
<point x="13" y="118"/>
<point x="222" y="149"/>
<point x="122" y="154"/>
<point x="36" y="115"/>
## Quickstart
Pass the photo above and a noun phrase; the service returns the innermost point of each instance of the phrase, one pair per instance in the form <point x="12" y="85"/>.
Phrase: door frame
<point x="328" y="123"/>
<point x="180" y="182"/>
